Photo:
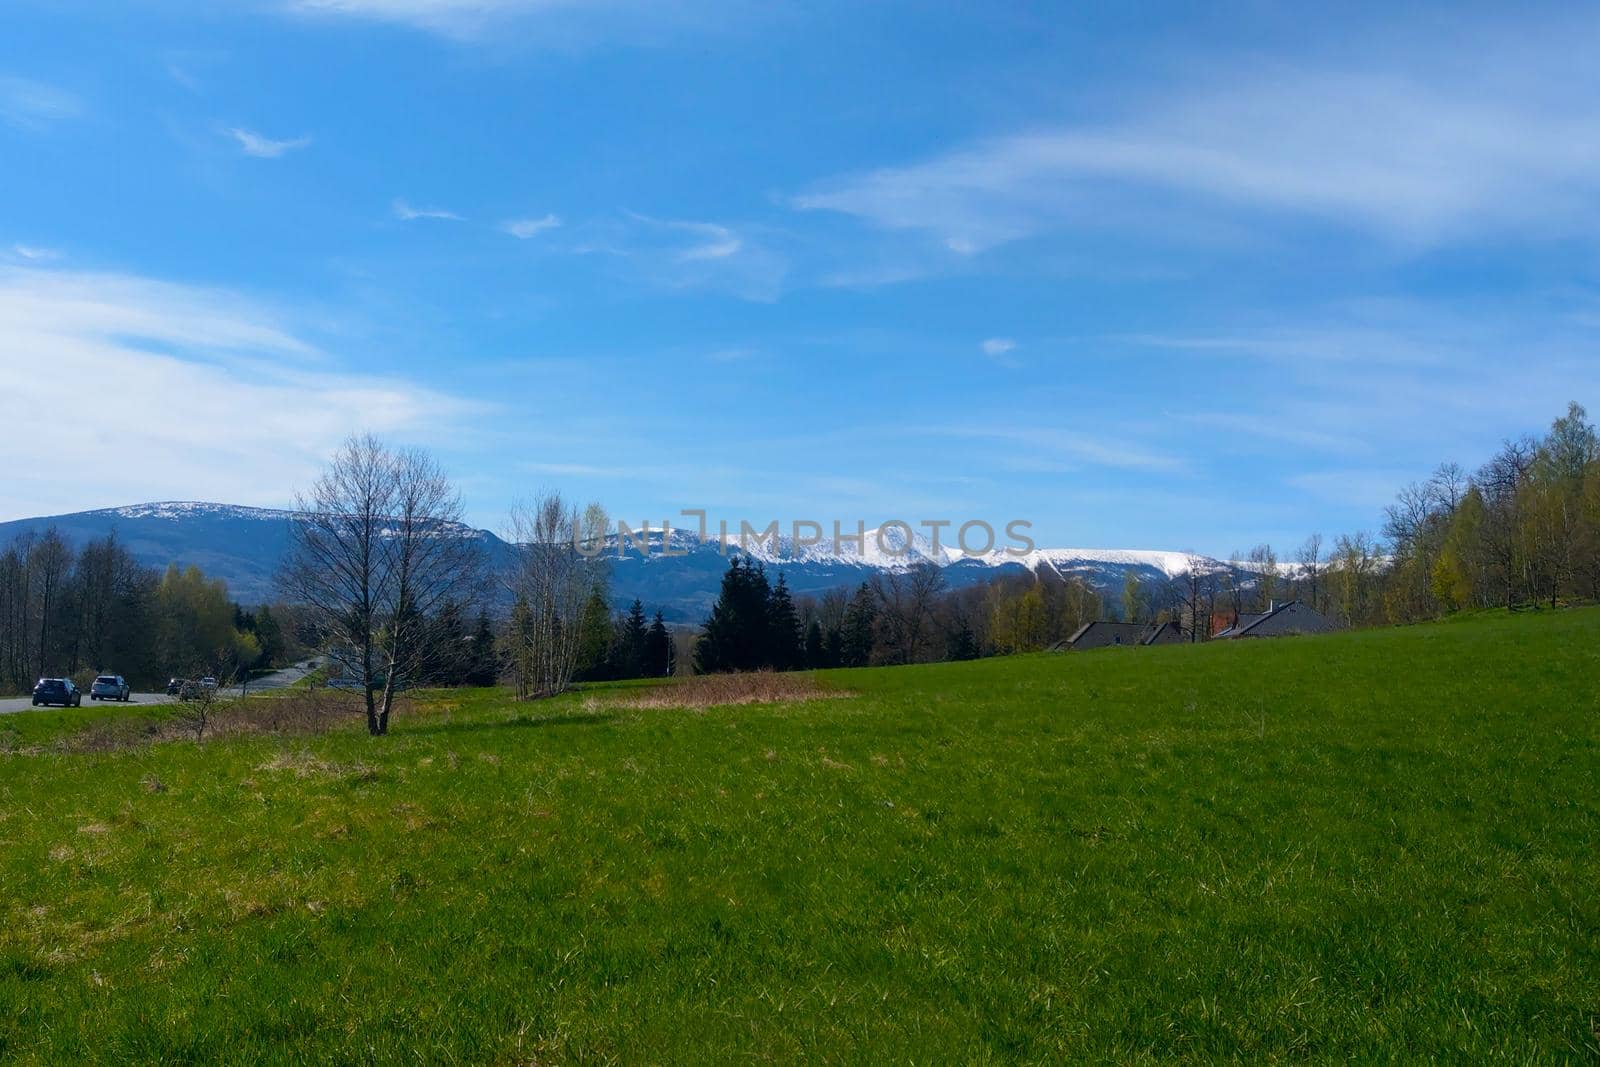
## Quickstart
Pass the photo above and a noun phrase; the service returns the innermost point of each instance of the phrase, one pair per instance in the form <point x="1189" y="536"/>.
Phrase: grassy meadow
<point x="1373" y="845"/>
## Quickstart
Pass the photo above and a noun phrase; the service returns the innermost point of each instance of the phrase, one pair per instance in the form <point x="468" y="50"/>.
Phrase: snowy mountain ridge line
<point x="881" y="547"/>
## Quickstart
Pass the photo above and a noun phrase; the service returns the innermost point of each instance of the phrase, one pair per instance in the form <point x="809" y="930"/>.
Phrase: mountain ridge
<point x="243" y="545"/>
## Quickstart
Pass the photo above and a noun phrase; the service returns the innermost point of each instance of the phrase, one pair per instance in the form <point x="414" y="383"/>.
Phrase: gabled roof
<point x="1156" y="631"/>
<point x="1139" y="633"/>
<point x="1248" y="621"/>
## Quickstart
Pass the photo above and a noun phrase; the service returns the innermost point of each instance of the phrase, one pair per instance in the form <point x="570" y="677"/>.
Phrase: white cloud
<point x="406" y="213"/>
<point x="1416" y="159"/>
<point x="35" y="253"/>
<point x="718" y="242"/>
<point x="31" y="105"/>
<point x="694" y="254"/>
<point x="168" y="391"/>
<point x="445" y="16"/>
<point x="999" y="350"/>
<point x="1044" y="449"/>
<point x="563" y="23"/>
<point x="522" y="229"/>
<point x="254" y="144"/>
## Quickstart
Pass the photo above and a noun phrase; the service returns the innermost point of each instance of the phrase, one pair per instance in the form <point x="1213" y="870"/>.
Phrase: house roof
<point x="1248" y="621"/>
<point x="1143" y="633"/>
<point x="1156" y="631"/>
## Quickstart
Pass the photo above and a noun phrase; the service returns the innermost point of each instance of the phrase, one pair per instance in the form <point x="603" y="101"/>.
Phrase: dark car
<point x="57" y="691"/>
<point x="110" y="687"/>
<point x="175" y="686"/>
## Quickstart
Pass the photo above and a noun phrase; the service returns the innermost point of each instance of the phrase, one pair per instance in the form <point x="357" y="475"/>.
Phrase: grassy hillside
<point x="1366" y="845"/>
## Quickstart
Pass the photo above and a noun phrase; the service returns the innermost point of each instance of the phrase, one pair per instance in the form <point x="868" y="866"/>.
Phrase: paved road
<point x="276" y="680"/>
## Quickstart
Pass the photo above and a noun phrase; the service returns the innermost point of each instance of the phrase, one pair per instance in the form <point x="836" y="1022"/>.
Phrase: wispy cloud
<point x="1046" y="449"/>
<point x="183" y="77"/>
<point x="35" y="253"/>
<point x="1413" y="159"/>
<point x="33" y="106"/>
<point x="694" y="254"/>
<point x="254" y="144"/>
<point x="406" y="213"/>
<point x="146" y="342"/>
<point x="454" y="17"/>
<point x="999" y="350"/>
<point x="552" y="22"/>
<point x="523" y="229"/>
<point x="709" y="240"/>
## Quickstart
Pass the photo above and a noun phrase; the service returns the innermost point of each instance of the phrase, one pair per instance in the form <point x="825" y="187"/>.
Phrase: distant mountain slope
<point x="244" y="547"/>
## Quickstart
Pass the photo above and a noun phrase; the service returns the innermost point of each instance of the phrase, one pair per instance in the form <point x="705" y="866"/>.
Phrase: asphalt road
<point x="276" y="680"/>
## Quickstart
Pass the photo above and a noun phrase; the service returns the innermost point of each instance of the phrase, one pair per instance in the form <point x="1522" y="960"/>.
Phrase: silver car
<point x="109" y="687"/>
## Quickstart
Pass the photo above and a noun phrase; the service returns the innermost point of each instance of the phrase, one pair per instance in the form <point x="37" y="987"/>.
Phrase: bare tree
<point x="1196" y="593"/>
<point x="378" y="543"/>
<point x="1500" y="481"/>
<point x="906" y="601"/>
<point x="199" y="706"/>
<point x="1263" y="562"/>
<point x="1310" y="559"/>
<point x="550" y="578"/>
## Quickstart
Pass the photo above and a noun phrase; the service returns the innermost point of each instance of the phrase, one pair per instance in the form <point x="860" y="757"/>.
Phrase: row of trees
<point x="386" y="573"/>
<point x="1522" y="529"/>
<point x="622" y="645"/>
<point x="68" y="612"/>
<point x="906" y="616"/>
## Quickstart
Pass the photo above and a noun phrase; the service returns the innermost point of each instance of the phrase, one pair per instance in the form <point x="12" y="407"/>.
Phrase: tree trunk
<point x="388" y="703"/>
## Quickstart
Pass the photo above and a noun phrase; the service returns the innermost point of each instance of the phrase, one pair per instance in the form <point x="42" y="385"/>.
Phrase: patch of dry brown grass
<point x="297" y="713"/>
<point x="722" y="690"/>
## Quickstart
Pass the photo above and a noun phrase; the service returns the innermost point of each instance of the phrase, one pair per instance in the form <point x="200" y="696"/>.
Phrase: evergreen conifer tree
<point x="658" y="651"/>
<point x="783" y="628"/>
<point x="859" y="620"/>
<point x="632" y="641"/>
<point x="736" y="635"/>
<point x="816" y="655"/>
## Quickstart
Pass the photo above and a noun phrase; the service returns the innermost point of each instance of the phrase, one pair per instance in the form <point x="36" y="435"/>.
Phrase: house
<point x="1112" y="634"/>
<point x="1279" y="620"/>
<point x="1168" y="633"/>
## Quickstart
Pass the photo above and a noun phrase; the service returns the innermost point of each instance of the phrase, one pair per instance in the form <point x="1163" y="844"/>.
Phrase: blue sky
<point x="1158" y="278"/>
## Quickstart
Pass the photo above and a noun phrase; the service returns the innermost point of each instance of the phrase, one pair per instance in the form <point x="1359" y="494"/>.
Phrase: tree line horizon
<point x="373" y="578"/>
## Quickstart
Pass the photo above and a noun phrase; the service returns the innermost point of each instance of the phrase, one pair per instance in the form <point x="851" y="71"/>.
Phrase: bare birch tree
<point x="550" y="577"/>
<point x="377" y="543"/>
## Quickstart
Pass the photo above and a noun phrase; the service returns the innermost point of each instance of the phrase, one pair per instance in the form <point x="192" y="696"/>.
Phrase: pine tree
<point x="833" y="648"/>
<point x="634" y="631"/>
<point x="594" y="638"/>
<point x="783" y="629"/>
<point x="443" y="657"/>
<point x="860" y="618"/>
<point x="736" y="635"/>
<point x="484" y="660"/>
<point x="658" y="652"/>
<point x="816" y="655"/>
<point x="961" y="643"/>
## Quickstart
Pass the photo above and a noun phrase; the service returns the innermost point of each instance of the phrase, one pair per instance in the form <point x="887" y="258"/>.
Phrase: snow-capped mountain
<point x="244" y="546"/>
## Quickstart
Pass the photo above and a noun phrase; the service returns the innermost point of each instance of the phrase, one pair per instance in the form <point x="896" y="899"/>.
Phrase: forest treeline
<point x="67" y="612"/>
<point x="1521" y="529"/>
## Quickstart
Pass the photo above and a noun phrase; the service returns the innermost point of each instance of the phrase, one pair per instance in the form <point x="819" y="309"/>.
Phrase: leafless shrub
<point x="297" y="713"/>
<point x="199" y="708"/>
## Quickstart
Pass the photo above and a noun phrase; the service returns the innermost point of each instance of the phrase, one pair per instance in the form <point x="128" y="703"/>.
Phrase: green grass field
<point x="1377" y="845"/>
